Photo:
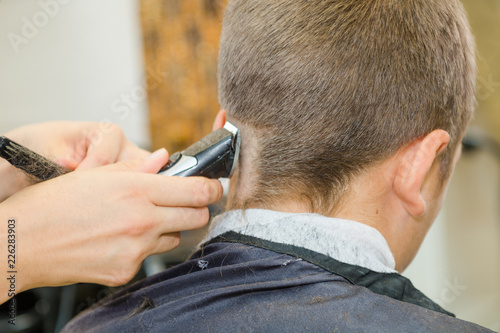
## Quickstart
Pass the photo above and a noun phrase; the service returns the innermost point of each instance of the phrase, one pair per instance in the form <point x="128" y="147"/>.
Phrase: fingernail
<point x="157" y="154"/>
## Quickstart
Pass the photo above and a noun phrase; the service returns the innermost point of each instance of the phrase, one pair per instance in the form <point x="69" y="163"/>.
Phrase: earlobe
<point x="414" y="165"/>
<point x="220" y="120"/>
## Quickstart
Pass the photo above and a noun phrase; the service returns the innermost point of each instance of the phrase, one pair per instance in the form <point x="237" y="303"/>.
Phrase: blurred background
<point x="150" y="67"/>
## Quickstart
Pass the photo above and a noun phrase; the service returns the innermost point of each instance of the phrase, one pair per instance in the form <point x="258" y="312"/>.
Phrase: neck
<point x="369" y="201"/>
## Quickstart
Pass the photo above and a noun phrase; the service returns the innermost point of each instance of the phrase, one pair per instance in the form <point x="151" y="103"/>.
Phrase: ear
<point x="220" y="120"/>
<point x="414" y="165"/>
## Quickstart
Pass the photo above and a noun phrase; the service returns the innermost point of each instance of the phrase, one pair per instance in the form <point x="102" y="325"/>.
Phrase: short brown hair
<point x="334" y="86"/>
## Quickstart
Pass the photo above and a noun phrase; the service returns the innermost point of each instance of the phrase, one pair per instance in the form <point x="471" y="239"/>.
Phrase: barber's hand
<point x="75" y="145"/>
<point x="98" y="225"/>
<point x="79" y="145"/>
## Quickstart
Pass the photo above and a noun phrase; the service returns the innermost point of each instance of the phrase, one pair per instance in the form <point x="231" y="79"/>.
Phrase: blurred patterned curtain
<point x="181" y="40"/>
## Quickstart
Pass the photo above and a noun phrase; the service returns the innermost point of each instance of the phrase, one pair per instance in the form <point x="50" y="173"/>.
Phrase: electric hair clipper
<point x="214" y="156"/>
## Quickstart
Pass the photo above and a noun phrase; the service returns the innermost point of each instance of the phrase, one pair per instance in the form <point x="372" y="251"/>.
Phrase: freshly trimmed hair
<point x="335" y="86"/>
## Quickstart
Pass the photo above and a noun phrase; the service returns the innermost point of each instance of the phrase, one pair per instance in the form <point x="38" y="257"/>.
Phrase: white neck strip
<point x="346" y="241"/>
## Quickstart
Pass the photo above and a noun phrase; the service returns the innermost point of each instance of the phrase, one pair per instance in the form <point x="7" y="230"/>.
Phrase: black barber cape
<point x="231" y="286"/>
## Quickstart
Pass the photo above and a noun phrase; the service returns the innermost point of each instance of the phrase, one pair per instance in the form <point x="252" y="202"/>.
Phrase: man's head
<point x="326" y="90"/>
<point x="334" y="86"/>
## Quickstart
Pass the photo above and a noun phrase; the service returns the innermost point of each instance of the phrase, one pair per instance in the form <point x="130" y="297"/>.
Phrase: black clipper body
<point x="214" y="156"/>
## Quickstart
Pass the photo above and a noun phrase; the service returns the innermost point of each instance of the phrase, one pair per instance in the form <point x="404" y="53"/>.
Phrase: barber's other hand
<point x="75" y="145"/>
<point x="79" y="145"/>
<point x="98" y="225"/>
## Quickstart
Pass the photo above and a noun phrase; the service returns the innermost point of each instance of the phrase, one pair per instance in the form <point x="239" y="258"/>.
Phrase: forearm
<point x="12" y="180"/>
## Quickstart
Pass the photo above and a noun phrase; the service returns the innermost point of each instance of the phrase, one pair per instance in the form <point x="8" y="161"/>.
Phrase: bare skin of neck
<point x="400" y="196"/>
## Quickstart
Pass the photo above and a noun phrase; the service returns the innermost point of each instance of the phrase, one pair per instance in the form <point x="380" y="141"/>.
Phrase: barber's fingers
<point x="131" y="152"/>
<point x="166" y="242"/>
<point x="103" y="146"/>
<point x="171" y="191"/>
<point x="164" y="233"/>
<point x="67" y="161"/>
<point x="169" y="219"/>
<point x="152" y="164"/>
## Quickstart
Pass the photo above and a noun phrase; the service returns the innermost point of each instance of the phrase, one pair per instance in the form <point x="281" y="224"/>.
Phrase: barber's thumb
<point x="151" y="164"/>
